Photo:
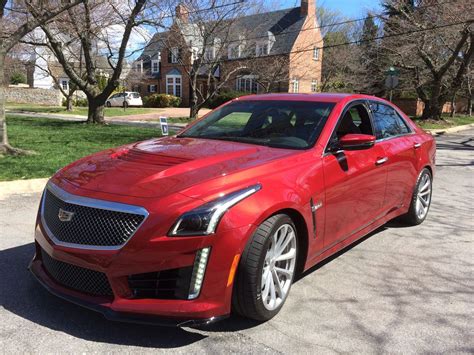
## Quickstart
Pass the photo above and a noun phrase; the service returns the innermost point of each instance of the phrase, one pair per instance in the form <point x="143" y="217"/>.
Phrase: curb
<point x="17" y="187"/>
<point x="441" y="131"/>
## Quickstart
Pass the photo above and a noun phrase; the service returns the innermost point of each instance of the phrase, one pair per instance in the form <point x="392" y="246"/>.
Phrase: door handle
<point x="417" y="145"/>
<point x="380" y="161"/>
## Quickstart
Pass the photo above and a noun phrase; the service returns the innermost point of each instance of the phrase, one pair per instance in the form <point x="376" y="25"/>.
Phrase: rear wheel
<point x="421" y="199"/>
<point x="266" y="269"/>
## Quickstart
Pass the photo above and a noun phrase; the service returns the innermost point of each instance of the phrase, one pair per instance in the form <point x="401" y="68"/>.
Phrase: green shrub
<point x="17" y="78"/>
<point x="80" y="102"/>
<point x="223" y="97"/>
<point x="161" y="100"/>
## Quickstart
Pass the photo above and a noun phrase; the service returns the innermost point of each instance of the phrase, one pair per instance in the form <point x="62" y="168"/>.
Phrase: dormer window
<point x="209" y="53"/>
<point x="139" y="66"/>
<point x="234" y="51"/>
<point x="212" y="51"/>
<point x="263" y="47"/>
<point x="236" y="48"/>
<point x="315" y="53"/>
<point x="194" y="54"/>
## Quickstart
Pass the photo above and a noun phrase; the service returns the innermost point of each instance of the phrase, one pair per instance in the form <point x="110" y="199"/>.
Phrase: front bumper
<point x="108" y="313"/>
<point x="213" y="303"/>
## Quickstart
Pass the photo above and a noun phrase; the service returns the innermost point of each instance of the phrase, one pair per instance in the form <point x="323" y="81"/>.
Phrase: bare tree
<point x="437" y="48"/>
<point x="94" y="34"/>
<point x="198" y="39"/>
<point x="15" y="23"/>
<point x="216" y="44"/>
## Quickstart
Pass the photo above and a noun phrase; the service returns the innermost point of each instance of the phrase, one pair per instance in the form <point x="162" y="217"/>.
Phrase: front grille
<point x="88" y="225"/>
<point x="76" y="278"/>
<point x="166" y="284"/>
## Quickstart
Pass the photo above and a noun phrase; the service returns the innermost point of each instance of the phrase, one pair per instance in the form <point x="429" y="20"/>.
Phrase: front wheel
<point x="108" y="104"/>
<point x="266" y="269"/>
<point x="421" y="199"/>
<point x="125" y="104"/>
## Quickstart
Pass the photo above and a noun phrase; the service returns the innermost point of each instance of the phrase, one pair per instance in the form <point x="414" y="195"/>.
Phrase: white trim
<point x="295" y="85"/>
<point x="316" y="53"/>
<point x="174" y="85"/>
<point x="157" y="62"/>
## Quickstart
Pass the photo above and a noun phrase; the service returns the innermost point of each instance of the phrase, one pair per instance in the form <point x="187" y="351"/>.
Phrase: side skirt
<point x="352" y="238"/>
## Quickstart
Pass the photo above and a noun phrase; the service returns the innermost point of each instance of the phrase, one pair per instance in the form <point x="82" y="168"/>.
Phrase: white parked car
<point x="125" y="99"/>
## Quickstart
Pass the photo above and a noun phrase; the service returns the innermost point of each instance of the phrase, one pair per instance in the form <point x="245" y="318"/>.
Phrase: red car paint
<point x="170" y="176"/>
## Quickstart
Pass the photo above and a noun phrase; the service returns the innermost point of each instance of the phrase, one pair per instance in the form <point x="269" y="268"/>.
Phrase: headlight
<point x="204" y="219"/>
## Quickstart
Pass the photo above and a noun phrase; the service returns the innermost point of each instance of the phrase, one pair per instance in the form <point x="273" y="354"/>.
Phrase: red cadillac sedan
<point x="220" y="218"/>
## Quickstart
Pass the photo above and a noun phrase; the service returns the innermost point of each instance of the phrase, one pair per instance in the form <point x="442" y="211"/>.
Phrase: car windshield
<point x="288" y="124"/>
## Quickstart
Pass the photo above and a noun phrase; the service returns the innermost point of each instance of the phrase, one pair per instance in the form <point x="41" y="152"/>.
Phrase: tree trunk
<point x="194" y="107"/>
<point x="96" y="111"/>
<point x="5" y="147"/>
<point x="434" y="106"/>
<point x="469" y="105"/>
<point x="453" y="106"/>
<point x="69" y="103"/>
<point x="194" y="110"/>
<point x="3" y="123"/>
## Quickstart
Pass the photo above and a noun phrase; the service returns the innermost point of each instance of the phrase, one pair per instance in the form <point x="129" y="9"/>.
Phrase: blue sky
<point x="349" y="8"/>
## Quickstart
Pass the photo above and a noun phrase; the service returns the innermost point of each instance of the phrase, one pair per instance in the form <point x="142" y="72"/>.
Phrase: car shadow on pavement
<point x="21" y="295"/>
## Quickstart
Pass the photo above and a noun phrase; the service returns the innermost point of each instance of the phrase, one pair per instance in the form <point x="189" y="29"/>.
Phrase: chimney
<point x="182" y="13"/>
<point x="308" y="7"/>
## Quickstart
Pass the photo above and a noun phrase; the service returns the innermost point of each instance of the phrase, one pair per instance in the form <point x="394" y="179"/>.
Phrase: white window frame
<point x="157" y="62"/>
<point x="139" y="66"/>
<point x="174" y="84"/>
<point x="174" y="55"/>
<point x="232" y="48"/>
<point x="194" y="54"/>
<point x="210" y="53"/>
<point x="315" y="53"/>
<point x="262" y="49"/>
<point x="295" y="85"/>
<point x="241" y="84"/>
<point x="314" y="85"/>
<point x="62" y="81"/>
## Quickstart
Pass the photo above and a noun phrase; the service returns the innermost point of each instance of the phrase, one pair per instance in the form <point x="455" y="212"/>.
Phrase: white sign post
<point x="164" y="126"/>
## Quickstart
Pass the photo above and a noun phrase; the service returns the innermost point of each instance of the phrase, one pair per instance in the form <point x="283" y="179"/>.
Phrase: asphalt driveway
<point x="400" y="290"/>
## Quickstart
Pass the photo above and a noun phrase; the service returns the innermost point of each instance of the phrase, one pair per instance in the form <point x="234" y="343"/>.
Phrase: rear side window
<point x="387" y="122"/>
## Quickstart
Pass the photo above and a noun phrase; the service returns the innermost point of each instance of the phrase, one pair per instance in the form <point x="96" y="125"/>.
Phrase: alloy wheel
<point x="423" y="198"/>
<point x="279" y="267"/>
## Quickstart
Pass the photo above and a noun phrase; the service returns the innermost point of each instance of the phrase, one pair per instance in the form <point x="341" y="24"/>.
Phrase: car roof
<point x="320" y="97"/>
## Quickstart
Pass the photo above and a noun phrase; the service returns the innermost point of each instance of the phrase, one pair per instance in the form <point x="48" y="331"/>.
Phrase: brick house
<point x="277" y="51"/>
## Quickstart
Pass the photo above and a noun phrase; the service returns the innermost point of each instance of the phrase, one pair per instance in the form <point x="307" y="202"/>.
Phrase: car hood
<point x="160" y="167"/>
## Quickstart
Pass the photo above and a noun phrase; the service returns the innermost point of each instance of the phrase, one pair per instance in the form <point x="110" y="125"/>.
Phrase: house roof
<point x="285" y="25"/>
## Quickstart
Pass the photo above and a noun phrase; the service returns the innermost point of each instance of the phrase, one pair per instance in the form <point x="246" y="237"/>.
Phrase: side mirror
<point x="356" y="141"/>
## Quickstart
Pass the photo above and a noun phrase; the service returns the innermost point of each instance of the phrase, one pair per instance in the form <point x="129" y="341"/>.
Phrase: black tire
<point x="247" y="292"/>
<point x="412" y="218"/>
<point x="125" y="104"/>
<point x="108" y="104"/>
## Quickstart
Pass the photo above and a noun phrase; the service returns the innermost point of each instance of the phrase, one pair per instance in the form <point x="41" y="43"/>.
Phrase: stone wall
<point x="34" y="96"/>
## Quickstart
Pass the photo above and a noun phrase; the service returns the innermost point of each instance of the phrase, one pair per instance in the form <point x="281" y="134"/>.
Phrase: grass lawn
<point x="58" y="143"/>
<point x="109" y="111"/>
<point x="447" y="122"/>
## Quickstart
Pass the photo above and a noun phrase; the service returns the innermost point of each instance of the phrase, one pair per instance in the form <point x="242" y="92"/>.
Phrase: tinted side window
<point x="386" y="121"/>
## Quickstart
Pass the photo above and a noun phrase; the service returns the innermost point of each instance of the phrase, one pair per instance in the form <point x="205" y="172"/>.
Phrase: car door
<point x="398" y="141"/>
<point x="354" y="180"/>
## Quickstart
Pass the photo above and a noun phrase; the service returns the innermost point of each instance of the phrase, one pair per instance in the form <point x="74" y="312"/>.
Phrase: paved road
<point x="401" y="290"/>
